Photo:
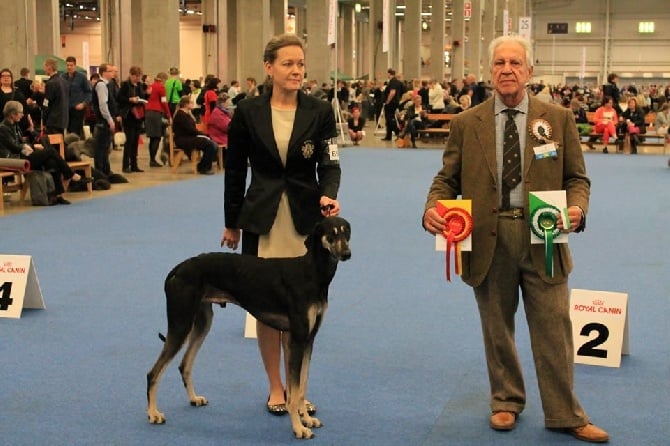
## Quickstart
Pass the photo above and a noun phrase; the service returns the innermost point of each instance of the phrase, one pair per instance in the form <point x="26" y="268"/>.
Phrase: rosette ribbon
<point x="458" y="227"/>
<point x="544" y="224"/>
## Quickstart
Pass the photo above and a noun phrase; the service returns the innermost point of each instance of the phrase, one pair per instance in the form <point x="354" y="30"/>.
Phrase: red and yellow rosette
<point x="458" y="227"/>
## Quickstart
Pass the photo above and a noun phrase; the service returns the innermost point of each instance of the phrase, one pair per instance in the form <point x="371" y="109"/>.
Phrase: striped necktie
<point x="511" y="174"/>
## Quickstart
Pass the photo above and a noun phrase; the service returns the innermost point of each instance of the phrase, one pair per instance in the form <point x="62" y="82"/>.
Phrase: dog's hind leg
<point x="201" y="326"/>
<point x="173" y="343"/>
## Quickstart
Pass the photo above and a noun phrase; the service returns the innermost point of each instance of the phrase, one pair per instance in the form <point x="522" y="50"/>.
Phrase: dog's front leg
<point x="301" y="421"/>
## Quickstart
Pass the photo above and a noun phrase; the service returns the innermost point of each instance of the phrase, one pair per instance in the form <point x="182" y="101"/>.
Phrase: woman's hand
<point x="329" y="207"/>
<point x="230" y="238"/>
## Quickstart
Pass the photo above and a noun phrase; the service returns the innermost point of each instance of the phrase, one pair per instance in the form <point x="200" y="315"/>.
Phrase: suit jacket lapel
<point x="263" y="120"/>
<point x="304" y="116"/>
<point x="486" y="134"/>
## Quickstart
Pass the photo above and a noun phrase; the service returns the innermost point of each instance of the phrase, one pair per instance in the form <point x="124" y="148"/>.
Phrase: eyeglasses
<point x="5" y="75"/>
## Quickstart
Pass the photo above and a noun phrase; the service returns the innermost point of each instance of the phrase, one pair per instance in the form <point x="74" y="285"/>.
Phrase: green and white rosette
<point x="544" y="224"/>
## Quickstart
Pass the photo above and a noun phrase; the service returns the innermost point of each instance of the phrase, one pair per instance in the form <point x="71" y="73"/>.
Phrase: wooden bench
<point x="648" y="138"/>
<point x="59" y="139"/>
<point x="16" y="186"/>
<point x="444" y="118"/>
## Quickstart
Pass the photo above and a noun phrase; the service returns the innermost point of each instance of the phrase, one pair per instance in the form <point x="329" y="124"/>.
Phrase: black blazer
<point x="309" y="173"/>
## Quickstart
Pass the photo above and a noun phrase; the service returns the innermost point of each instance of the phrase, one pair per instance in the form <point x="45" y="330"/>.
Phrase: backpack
<point x="41" y="188"/>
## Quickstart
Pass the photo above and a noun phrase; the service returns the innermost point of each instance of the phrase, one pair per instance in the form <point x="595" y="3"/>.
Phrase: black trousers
<point x="49" y="159"/>
<point x="389" y="116"/>
<point x="132" y="128"/>
<point x="76" y="123"/>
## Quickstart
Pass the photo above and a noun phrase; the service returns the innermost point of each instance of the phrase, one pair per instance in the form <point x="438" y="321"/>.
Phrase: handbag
<point x="137" y="111"/>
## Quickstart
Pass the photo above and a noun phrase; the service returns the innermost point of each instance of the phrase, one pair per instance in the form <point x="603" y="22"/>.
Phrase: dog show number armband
<point x="458" y="226"/>
<point x="544" y="224"/>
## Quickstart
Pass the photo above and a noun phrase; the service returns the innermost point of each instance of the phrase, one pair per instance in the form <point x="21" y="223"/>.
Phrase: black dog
<point x="288" y="294"/>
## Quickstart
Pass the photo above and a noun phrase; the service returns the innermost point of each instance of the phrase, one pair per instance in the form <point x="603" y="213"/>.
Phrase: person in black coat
<point x="131" y="99"/>
<point x="41" y="156"/>
<point x="188" y="138"/>
<point x="56" y="99"/>
<point x="283" y="135"/>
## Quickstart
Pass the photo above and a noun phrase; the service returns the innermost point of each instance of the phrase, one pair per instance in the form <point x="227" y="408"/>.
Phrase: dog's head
<point x="333" y="234"/>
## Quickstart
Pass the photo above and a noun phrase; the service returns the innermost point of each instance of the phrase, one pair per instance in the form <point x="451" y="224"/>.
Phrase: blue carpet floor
<point x="398" y="361"/>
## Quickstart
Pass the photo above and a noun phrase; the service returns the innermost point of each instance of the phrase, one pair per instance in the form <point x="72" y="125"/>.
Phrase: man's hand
<point x="433" y="222"/>
<point x="575" y="215"/>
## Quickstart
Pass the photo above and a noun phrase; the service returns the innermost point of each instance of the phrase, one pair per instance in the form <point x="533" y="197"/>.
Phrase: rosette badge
<point x="458" y="227"/>
<point x="541" y="130"/>
<point x="544" y="224"/>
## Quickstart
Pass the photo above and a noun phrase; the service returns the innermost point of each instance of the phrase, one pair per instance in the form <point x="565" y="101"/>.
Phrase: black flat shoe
<point x="153" y="163"/>
<point x="61" y="200"/>
<point x="136" y="169"/>
<point x="127" y="170"/>
<point x="277" y="410"/>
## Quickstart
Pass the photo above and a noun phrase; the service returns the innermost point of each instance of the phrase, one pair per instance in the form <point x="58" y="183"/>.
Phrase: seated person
<point x="632" y="123"/>
<point x="464" y="102"/>
<point x="219" y="120"/>
<point x="356" y="124"/>
<point x="415" y="120"/>
<point x="188" y="138"/>
<point x="605" y="118"/>
<point x="663" y="119"/>
<point x="41" y="156"/>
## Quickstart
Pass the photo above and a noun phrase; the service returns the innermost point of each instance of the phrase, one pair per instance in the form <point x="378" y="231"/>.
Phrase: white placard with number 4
<point x="19" y="287"/>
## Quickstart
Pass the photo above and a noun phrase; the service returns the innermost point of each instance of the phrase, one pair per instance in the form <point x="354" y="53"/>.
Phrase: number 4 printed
<point x="5" y="299"/>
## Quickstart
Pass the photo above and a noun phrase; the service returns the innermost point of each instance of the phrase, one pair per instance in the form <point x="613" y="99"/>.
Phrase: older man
<point x="502" y="260"/>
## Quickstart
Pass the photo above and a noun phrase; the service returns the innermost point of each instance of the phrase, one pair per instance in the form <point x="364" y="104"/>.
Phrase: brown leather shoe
<point x="503" y="421"/>
<point x="590" y="432"/>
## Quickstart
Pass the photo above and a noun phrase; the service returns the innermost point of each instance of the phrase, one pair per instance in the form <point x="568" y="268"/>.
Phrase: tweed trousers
<point x="547" y="315"/>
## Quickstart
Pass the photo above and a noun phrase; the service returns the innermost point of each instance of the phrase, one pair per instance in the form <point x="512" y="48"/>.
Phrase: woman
<point x="41" y="157"/>
<point x="632" y="123"/>
<point x="131" y="99"/>
<point x="355" y="125"/>
<point x="663" y="120"/>
<point x="155" y="109"/>
<point x="435" y="97"/>
<point x="464" y="102"/>
<point x="188" y="138"/>
<point x="210" y="97"/>
<point x="415" y="120"/>
<point x="219" y="121"/>
<point x="284" y="136"/>
<point x="9" y="92"/>
<point x="605" y="118"/>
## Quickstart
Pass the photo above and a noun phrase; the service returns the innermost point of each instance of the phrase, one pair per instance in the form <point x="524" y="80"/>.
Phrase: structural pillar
<point x="345" y="42"/>
<point x="411" y="52"/>
<point x="378" y="62"/>
<point x="278" y="13"/>
<point x="48" y="22"/>
<point x="319" y="53"/>
<point x="215" y="57"/>
<point x="161" y="44"/>
<point x="488" y="33"/>
<point x="253" y="35"/>
<point x="18" y="30"/>
<point x="474" y="45"/>
<point x="437" y="33"/>
<point x="457" y="39"/>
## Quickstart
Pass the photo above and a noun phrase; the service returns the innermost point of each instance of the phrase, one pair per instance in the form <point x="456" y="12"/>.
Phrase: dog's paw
<point x="198" y="401"/>
<point x="308" y="421"/>
<point x="156" y="417"/>
<point x="303" y="433"/>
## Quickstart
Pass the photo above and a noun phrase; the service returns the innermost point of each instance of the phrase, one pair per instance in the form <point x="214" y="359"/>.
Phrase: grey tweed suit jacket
<point x="469" y="171"/>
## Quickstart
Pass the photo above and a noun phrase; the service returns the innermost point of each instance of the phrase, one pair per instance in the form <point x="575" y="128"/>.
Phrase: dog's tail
<point x="161" y="336"/>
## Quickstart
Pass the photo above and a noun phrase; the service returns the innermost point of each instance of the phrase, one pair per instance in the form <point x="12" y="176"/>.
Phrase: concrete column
<point x="215" y="55"/>
<point x="488" y="32"/>
<point x="319" y="57"/>
<point x="474" y="45"/>
<point x="392" y="59"/>
<point x="363" y="49"/>
<point x="457" y="40"/>
<point x="437" y="40"/>
<point x="136" y="47"/>
<point x="345" y="40"/>
<point x="253" y="35"/>
<point x="229" y="62"/>
<point x="378" y="63"/>
<point x="160" y="19"/>
<point x="278" y="12"/>
<point x="18" y="30"/>
<point x="126" y="58"/>
<point x="411" y="52"/>
<point x="48" y="22"/>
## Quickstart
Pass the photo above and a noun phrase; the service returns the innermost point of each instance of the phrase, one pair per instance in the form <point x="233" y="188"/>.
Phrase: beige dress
<point x="282" y="240"/>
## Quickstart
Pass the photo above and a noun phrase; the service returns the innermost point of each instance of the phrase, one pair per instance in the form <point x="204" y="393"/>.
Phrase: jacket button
<point x="493" y="232"/>
<point x="494" y="210"/>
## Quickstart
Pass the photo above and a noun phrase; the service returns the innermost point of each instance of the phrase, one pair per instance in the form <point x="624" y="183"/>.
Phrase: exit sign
<point x="557" y="28"/>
